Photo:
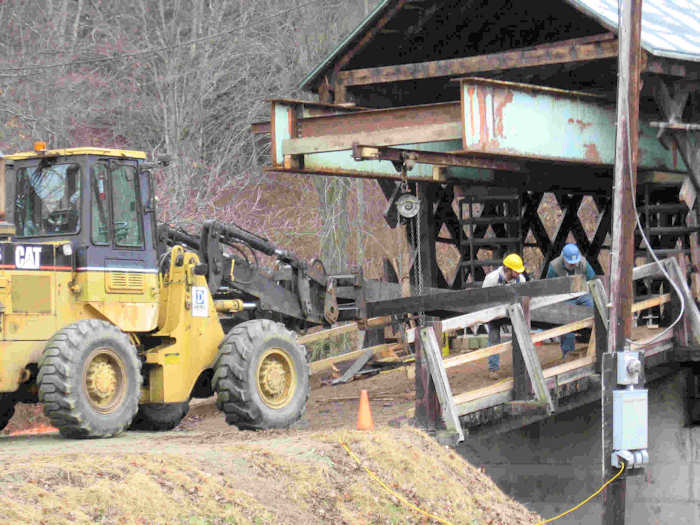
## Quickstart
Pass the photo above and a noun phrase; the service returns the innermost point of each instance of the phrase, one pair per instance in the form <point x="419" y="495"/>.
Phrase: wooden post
<point x="621" y="286"/>
<point x="521" y="381"/>
<point x="600" y="321"/>
<point x="427" y="402"/>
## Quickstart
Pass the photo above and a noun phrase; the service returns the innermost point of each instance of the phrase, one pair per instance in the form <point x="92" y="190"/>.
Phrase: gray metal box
<point x="630" y="419"/>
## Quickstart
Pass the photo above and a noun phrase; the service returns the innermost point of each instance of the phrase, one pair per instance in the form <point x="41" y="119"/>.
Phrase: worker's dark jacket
<point x="557" y="269"/>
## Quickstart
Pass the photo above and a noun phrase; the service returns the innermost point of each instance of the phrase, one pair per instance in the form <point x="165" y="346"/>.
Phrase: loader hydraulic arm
<point x="293" y="290"/>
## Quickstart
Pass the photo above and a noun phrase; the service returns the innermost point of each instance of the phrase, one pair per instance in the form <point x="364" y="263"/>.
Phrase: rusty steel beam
<point x="544" y="124"/>
<point x="436" y="158"/>
<point x="576" y="50"/>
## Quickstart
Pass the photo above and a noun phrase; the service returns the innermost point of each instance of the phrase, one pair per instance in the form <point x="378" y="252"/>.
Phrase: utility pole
<point x="622" y="261"/>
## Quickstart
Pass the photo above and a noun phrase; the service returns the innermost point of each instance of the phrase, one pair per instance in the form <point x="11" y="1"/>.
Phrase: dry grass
<point x="300" y="478"/>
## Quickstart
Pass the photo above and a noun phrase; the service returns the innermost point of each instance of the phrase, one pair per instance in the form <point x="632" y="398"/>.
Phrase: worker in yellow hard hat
<point x="511" y="272"/>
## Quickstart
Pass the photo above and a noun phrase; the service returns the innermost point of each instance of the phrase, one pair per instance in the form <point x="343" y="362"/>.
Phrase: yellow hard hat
<point x="514" y="262"/>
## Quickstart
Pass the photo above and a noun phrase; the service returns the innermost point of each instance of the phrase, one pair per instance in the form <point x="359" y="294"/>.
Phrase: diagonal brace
<point x="527" y="348"/>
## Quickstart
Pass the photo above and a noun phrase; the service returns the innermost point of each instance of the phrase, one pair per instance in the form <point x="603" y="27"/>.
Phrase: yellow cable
<point x="389" y="490"/>
<point x="441" y="520"/>
<point x="589" y="498"/>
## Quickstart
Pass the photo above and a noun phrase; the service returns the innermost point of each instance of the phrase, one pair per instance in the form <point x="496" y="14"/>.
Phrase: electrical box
<point x="629" y="367"/>
<point x="630" y="419"/>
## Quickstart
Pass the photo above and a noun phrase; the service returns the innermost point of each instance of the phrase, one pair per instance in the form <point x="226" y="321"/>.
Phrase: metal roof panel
<point x="670" y="28"/>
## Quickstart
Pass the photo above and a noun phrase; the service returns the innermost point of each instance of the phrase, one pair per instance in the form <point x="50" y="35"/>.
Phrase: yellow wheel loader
<point x="113" y="321"/>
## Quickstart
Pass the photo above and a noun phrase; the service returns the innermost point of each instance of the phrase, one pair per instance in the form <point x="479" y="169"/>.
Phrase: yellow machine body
<point x="168" y="312"/>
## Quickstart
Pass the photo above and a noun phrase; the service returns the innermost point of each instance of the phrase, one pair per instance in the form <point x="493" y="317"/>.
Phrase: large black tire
<point x="90" y="380"/>
<point x="261" y="376"/>
<point x="160" y="416"/>
<point x="7" y="408"/>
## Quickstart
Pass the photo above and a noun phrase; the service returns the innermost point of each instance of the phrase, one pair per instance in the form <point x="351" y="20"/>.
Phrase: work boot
<point x="493" y="374"/>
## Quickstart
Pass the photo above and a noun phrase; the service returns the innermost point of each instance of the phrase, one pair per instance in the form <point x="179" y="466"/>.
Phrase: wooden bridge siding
<point x="579" y="380"/>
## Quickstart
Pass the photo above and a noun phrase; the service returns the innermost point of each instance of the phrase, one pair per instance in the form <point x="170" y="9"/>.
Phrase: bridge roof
<point x="669" y="28"/>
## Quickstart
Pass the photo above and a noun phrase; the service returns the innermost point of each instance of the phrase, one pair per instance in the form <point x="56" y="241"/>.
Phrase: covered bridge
<point x="497" y="102"/>
<point x="478" y="108"/>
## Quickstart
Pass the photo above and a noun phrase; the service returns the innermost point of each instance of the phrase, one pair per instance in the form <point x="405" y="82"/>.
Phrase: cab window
<point x="125" y="203"/>
<point x="100" y="204"/>
<point x="115" y="193"/>
<point x="48" y="200"/>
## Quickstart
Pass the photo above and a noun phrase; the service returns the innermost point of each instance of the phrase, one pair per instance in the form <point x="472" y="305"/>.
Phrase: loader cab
<point x="100" y="202"/>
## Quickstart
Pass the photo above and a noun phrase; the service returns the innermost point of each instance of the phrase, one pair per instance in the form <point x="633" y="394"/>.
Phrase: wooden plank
<point x="505" y="347"/>
<point x="361" y="361"/>
<point x="557" y="53"/>
<point x="325" y="334"/>
<point x="600" y="300"/>
<point x="324" y="364"/>
<point x="417" y="134"/>
<point x="433" y="355"/>
<point x="652" y="301"/>
<point x="562" y="313"/>
<point x="646" y="270"/>
<point x="374" y="322"/>
<point x="527" y="348"/>
<point x="507" y="384"/>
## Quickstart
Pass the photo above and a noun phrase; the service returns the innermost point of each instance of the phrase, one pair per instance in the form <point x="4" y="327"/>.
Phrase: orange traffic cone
<point x="364" y="414"/>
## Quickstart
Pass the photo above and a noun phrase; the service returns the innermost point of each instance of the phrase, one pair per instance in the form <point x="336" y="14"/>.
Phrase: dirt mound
<point x="244" y="477"/>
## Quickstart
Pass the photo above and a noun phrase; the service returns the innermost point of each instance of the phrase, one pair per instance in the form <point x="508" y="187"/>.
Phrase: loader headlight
<point x="67" y="250"/>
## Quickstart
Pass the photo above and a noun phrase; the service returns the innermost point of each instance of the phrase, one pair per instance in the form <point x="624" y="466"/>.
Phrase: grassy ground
<point x="236" y="477"/>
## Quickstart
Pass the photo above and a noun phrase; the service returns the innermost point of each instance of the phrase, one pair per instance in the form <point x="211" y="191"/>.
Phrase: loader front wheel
<point x="261" y="376"/>
<point x="7" y="409"/>
<point x="160" y="416"/>
<point x="90" y="380"/>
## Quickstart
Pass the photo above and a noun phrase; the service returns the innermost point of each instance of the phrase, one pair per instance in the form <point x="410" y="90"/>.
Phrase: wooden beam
<point x="523" y="344"/>
<point x="567" y="51"/>
<point x="476" y="296"/>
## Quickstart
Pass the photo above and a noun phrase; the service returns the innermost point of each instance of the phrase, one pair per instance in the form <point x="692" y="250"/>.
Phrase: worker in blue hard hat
<point x="571" y="262"/>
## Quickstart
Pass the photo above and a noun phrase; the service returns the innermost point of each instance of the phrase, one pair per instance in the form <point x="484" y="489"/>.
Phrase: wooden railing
<point x="529" y="378"/>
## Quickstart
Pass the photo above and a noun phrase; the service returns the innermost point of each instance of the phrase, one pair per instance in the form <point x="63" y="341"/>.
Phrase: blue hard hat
<point x="571" y="253"/>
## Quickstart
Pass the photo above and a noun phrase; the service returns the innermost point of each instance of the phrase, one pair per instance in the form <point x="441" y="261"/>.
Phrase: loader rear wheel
<point x="261" y="376"/>
<point x="90" y="380"/>
<point x="160" y="416"/>
<point x="7" y="409"/>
